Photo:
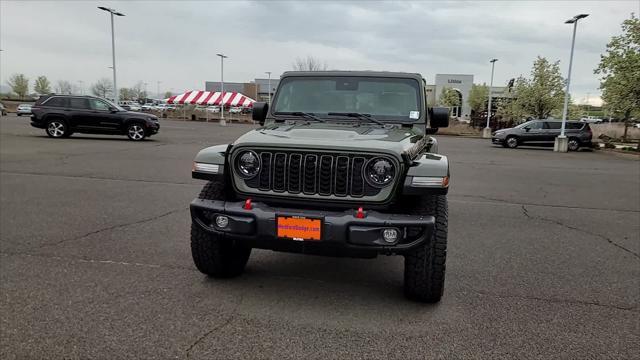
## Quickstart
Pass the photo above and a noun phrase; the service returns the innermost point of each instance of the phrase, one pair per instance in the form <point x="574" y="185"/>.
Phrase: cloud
<point x="176" y="42"/>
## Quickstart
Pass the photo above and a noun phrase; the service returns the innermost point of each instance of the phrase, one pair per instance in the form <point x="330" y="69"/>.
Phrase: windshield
<point x="525" y="124"/>
<point x="120" y="108"/>
<point x="394" y="99"/>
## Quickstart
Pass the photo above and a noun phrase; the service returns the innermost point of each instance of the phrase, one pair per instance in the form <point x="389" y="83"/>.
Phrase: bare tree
<point x="309" y="64"/>
<point x="63" y="87"/>
<point x="102" y="88"/>
<point x="138" y="92"/>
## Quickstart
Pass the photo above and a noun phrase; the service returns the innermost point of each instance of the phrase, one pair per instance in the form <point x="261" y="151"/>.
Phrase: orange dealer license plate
<point x="299" y="228"/>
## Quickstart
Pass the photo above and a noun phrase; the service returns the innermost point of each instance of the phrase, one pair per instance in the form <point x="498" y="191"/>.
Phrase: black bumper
<point x="37" y="124"/>
<point x="343" y="234"/>
<point x="495" y="140"/>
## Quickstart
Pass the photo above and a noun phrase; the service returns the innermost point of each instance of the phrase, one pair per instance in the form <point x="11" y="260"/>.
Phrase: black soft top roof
<point x="360" y="73"/>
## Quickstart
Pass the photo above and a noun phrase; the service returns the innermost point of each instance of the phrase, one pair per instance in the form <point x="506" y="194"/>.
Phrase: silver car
<point x="23" y="109"/>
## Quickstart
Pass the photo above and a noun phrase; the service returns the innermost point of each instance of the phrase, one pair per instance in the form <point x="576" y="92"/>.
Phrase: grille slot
<point x="313" y="174"/>
<point x="295" y="173"/>
<point x="357" y="179"/>
<point x="279" y="170"/>
<point x="309" y="185"/>
<point x="265" y="172"/>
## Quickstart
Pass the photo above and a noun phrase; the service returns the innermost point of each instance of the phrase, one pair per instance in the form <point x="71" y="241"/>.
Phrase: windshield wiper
<point x="359" y="116"/>
<point x="305" y="115"/>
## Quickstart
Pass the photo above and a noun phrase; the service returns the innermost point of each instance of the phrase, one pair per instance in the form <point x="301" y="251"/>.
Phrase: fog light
<point x="222" y="221"/>
<point x="390" y="235"/>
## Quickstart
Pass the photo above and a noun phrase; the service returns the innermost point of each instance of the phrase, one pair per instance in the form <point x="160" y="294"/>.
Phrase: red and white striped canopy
<point x="211" y="98"/>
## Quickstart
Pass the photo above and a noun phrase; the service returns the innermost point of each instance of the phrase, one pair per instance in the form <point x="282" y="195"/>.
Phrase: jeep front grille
<point x="312" y="173"/>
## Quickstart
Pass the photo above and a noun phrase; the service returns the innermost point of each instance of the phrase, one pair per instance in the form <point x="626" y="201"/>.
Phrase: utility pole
<point x="486" y="132"/>
<point x="222" y="57"/>
<point x="269" y="84"/>
<point x="561" y="143"/>
<point x="113" y="50"/>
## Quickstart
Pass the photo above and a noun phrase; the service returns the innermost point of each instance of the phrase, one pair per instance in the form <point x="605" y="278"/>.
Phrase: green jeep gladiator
<point x="342" y="165"/>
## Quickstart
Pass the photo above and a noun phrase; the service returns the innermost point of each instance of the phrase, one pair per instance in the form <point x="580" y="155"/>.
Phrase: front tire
<point x="424" y="266"/>
<point x="212" y="254"/>
<point x="57" y="128"/>
<point x="136" y="132"/>
<point x="512" y="142"/>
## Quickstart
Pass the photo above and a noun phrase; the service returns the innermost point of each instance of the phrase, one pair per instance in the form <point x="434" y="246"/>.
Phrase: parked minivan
<point x="544" y="133"/>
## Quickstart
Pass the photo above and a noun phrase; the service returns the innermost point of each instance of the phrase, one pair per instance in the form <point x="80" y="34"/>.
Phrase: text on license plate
<point x="298" y="228"/>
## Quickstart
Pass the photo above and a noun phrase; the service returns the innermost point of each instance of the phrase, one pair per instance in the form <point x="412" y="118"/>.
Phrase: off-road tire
<point x="212" y="253"/>
<point x="424" y="266"/>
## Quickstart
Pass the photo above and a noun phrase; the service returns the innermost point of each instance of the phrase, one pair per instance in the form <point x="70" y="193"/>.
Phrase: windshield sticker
<point x="414" y="114"/>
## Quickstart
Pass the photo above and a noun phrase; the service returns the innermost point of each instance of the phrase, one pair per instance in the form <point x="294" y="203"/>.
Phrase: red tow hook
<point x="360" y="213"/>
<point x="247" y="204"/>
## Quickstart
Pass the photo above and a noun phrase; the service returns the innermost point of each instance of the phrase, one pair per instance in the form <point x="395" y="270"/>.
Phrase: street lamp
<point x="158" y="90"/>
<point x="113" y="49"/>
<point x="222" y="57"/>
<point x="269" y="82"/>
<point x="562" y="143"/>
<point x="486" y="133"/>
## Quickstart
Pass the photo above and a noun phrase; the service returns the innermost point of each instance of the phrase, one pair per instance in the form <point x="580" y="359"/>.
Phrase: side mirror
<point x="527" y="129"/>
<point x="439" y="117"/>
<point x="259" y="112"/>
<point x="113" y="110"/>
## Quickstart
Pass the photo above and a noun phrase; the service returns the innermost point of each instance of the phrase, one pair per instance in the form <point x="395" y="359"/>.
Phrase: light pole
<point x="81" y="87"/>
<point x="222" y="57"/>
<point x="486" y="132"/>
<point x="158" y="90"/>
<point x="562" y="143"/>
<point x="113" y="49"/>
<point x="269" y="85"/>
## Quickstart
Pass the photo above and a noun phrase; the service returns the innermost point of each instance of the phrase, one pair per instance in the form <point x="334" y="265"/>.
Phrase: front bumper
<point x="343" y="234"/>
<point x="153" y="128"/>
<point x="495" y="140"/>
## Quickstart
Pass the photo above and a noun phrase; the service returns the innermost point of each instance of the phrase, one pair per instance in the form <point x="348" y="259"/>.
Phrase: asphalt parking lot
<point x="543" y="261"/>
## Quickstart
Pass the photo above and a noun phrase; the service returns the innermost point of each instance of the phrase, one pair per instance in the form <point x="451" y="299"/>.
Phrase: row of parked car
<point x="135" y="106"/>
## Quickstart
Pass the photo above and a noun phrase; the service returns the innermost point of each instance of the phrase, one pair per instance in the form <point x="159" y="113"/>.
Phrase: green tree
<point x="19" y="84"/>
<point x="543" y="93"/>
<point x="102" y="88"/>
<point x="42" y="85"/>
<point x="620" y="70"/>
<point x="168" y="94"/>
<point x="449" y="97"/>
<point x="63" y="87"/>
<point x="478" y="97"/>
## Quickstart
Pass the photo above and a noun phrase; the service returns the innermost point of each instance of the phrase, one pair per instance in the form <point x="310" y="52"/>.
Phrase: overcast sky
<point x="176" y="42"/>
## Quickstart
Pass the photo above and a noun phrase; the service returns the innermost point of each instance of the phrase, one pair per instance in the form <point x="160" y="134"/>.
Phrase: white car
<point x="147" y="107"/>
<point x="591" y="120"/>
<point x="235" y="110"/>
<point x="213" y="109"/>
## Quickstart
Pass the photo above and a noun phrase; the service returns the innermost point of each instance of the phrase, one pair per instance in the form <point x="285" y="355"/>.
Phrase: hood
<point x="138" y="114"/>
<point x="334" y="136"/>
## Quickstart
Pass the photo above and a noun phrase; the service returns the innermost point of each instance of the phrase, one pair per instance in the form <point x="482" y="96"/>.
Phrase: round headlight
<point x="248" y="164"/>
<point x="380" y="172"/>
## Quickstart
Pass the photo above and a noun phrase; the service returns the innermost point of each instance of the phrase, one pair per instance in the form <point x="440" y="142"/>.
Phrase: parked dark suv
<point x="62" y="115"/>
<point x="544" y="132"/>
